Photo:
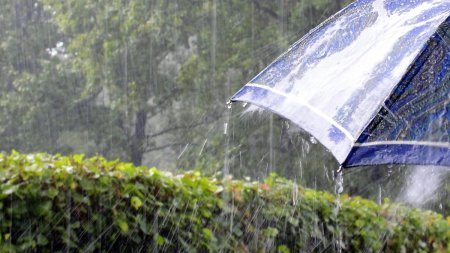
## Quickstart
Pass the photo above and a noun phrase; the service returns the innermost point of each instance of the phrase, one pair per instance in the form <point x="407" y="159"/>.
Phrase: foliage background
<point x="148" y="81"/>
<point x="69" y="203"/>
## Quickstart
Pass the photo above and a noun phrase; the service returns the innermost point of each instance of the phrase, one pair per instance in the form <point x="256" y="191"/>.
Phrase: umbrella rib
<point x="422" y="143"/>
<point x="309" y="106"/>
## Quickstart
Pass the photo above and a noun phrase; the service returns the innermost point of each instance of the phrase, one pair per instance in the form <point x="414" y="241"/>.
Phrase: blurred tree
<point x="127" y="78"/>
<point x="43" y="106"/>
<point x="31" y="91"/>
<point x="147" y="81"/>
<point x="119" y="47"/>
<point x="174" y="62"/>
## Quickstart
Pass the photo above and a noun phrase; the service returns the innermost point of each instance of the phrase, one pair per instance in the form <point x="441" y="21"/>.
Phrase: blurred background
<point x="147" y="81"/>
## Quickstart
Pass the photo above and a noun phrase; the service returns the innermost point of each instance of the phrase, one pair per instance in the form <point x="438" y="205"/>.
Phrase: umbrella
<point x="371" y="83"/>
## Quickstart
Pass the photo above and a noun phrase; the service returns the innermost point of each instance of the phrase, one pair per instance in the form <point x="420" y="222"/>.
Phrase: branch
<point x="154" y="110"/>
<point x="167" y="130"/>
<point x="269" y="11"/>
<point x="88" y="99"/>
<point x="164" y="146"/>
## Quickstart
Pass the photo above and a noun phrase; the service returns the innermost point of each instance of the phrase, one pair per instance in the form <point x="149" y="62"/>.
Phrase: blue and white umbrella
<point x="371" y="83"/>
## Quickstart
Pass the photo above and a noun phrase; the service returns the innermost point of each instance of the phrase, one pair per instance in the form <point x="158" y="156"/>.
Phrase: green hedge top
<point x="69" y="203"/>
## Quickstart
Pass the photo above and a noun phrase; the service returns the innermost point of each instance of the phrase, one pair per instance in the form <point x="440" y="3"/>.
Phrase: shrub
<point x="68" y="203"/>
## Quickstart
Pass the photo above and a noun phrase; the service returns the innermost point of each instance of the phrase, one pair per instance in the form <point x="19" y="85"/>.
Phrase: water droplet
<point x="338" y="177"/>
<point x="244" y="105"/>
<point x="379" y="195"/>
<point x="340" y="189"/>
<point x="225" y="128"/>
<point x="389" y="173"/>
<point x="313" y="140"/>
<point x="295" y="193"/>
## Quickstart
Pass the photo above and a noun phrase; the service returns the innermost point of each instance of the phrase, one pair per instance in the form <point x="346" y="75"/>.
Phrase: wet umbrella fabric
<point x="371" y="83"/>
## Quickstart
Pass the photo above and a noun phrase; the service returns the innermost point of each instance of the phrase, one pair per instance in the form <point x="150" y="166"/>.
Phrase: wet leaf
<point x="136" y="202"/>
<point x="41" y="240"/>
<point x="159" y="239"/>
<point x="270" y="232"/>
<point x="123" y="225"/>
<point x="43" y="208"/>
<point x="189" y="215"/>
<point x="283" y="249"/>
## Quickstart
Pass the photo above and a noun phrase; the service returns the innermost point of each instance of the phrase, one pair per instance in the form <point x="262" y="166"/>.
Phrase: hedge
<point x="72" y="204"/>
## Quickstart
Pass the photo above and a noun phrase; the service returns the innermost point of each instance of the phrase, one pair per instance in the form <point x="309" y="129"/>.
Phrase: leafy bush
<point x="68" y="203"/>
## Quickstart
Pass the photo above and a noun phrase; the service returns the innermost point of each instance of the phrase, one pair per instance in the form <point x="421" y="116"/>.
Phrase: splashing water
<point x="422" y="185"/>
<point x="226" y="166"/>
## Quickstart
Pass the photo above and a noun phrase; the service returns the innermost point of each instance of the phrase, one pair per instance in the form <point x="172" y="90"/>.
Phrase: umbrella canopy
<point x="371" y="83"/>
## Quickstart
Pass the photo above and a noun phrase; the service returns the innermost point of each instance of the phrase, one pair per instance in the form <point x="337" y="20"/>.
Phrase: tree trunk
<point x="138" y="141"/>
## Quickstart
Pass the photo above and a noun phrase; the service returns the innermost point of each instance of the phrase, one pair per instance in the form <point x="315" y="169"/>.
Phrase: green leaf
<point x="270" y="232"/>
<point x="43" y="208"/>
<point x="123" y="225"/>
<point x="207" y="233"/>
<point x="159" y="239"/>
<point x="78" y="158"/>
<point x="136" y="202"/>
<point x="42" y="240"/>
<point x="87" y="185"/>
<point x="283" y="249"/>
<point x="143" y="225"/>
